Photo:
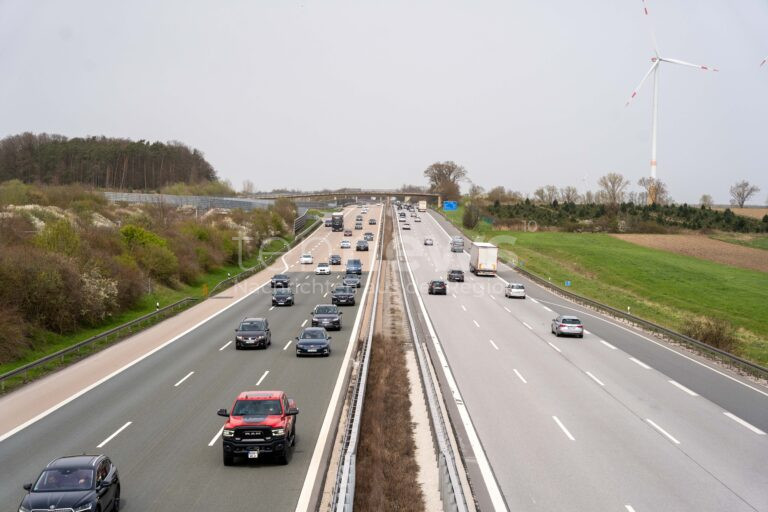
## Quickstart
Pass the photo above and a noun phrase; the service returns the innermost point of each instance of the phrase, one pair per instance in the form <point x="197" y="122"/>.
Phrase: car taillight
<point x="562" y="325"/>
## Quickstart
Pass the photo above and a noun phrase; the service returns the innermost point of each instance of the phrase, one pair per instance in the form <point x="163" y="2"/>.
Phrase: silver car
<point x="565" y="325"/>
<point x="514" y="290"/>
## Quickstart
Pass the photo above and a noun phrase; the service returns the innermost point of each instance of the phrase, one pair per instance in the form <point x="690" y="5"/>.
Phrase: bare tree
<point x="742" y="191"/>
<point x="475" y="191"/>
<point x="569" y="195"/>
<point x="614" y="185"/>
<point x="655" y="191"/>
<point x="248" y="187"/>
<point x="706" y="200"/>
<point x="444" y="178"/>
<point x="497" y="194"/>
<point x="589" y="197"/>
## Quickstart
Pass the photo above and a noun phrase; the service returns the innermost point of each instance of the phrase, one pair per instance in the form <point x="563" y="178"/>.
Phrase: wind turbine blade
<point x="764" y="61"/>
<point x="650" y="26"/>
<point x="640" y="85"/>
<point x="683" y="63"/>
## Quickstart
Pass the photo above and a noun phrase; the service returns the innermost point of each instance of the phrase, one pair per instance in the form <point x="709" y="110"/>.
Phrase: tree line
<point x="113" y="163"/>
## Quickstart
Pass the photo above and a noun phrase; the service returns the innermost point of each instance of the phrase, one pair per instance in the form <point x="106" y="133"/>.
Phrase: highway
<point x="157" y="419"/>
<point x="617" y="420"/>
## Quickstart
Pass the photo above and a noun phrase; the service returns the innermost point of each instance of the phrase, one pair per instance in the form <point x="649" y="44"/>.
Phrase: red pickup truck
<point x="261" y="423"/>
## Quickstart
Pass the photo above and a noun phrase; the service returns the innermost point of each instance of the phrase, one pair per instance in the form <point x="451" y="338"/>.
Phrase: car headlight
<point x="83" y="508"/>
<point x="239" y="338"/>
<point x="22" y="509"/>
<point x="278" y="432"/>
<point x="228" y="433"/>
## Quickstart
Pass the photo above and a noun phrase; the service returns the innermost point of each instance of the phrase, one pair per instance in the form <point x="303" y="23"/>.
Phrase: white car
<point x="346" y="244"/>
<point x="323" y="269"/>
<point x="406" y="226"/>
<point x="306" y="259"/>
<point x="515" y="290"/>
<point x="428" y="241"/>
<point x="417" y="219"/>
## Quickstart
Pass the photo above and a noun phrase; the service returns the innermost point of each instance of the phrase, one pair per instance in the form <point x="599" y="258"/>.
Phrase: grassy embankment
<point x="659" y="286"/>
<point x="754" y="241"/>
<point x="47" y="342"/>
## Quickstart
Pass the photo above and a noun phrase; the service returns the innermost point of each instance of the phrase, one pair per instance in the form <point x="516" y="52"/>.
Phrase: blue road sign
<point x="450" y="205"/>
<point x="567" y="283"/>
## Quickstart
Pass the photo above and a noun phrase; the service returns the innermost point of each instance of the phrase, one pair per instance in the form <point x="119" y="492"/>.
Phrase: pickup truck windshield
<point x="256" y="408"/>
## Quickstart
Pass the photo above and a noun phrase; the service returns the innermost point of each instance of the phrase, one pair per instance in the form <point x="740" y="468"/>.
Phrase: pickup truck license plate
<point x="253" y="455"/>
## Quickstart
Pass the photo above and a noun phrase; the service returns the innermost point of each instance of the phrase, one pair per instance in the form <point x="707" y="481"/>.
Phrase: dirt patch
<point x="701" y="246"/>
<point x="755" y="213"/>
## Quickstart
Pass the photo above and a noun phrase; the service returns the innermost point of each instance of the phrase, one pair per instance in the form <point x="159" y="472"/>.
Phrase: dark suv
<point x="343" y="295"/>
<point x="327" y="315"/>
<point x="253" y="333"/>
<point x="361" y="245"/>
<point x="334" y="259"/>
<point x="260" y="423"/>
<point x="354" y="266"/>
<point x="279" y="280"/>
<point x="352" y="280"/>
<point x="456" y="275"/>
<point x="313" y="341"/>
<point x="80" y="482"/>
<point x="282" y="297"/>
<point x="437" y="287"/>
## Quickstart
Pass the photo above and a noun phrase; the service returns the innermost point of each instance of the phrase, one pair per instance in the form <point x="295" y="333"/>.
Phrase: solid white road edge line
<point x="680" y="386"/>
<point x="264" y="376"/>
<point x="595" y="378"/>
<point x="639" y="363"/>
<point x="562" y="427"/>
<point x="127" y="424"/>
<point x="519" y="376"/>
<point x="183" y="379"/>
<point x="225" y="345"/>
<point x="497" y="499"/>
<point x="654" y="425"/>
<point x="314" y="464"/>
<point x="744" y="423"/>
<point x="216" y="436"/>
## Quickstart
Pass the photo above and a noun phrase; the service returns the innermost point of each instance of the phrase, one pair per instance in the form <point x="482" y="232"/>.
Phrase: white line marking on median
<point x="494" y="345"/>
<point x="519" y="376"/>
<point x="528" y="326"/>
<point x="595" y="378"/>
<point x="303" y="323"/>
<point x="608" y="345"/>
<point x="680" y="386"/>
<point x="744" y="423"/>
<point x="225" y="345"/>
<point x="545" y="307"/>
<point x="654" y="425"/>
<point x="287" y="345"/>
<point x="183" y="379"/>
<point x="127" y="424"/>
<point x="217" y="436"/>
<point x="262" y="378"/>
<point x="476" y="324"/>
<point x="554" y="347"/>
<point x="562" y="427"/>
<point x="640" y="363"/>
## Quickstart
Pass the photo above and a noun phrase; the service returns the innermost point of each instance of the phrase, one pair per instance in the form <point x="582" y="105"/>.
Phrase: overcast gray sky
<point x="311" y="94"/>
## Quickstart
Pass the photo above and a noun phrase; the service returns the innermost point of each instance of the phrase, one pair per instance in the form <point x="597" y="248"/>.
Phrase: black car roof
<point x="75" y="461"/>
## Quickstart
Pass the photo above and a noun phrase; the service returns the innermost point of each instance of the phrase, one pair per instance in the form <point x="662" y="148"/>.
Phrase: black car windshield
<point x="280" y="276"/>
<point x="256" y="408"/>
<point x="65" y="479"/>
<point x="343" y="289"/>
<point x="314" y="334"/>
<point x="282" y="291"/>
<point x="325" y="310"/>
<point x="573" y="321"/>
<point x="252" y="326"/>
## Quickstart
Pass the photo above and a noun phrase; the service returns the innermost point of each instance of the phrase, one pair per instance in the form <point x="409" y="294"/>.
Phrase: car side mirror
<point x="293" y="411"/>
<point x="330" y="337"/>
<point x="296" y="338"/>
<point x="27" y="487"/>
<point x="223" y="412"/>
<point x="341" y="312"/>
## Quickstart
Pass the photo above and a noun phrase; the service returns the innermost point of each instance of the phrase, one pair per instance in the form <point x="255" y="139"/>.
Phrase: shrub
<point x="471" y="217"/>
<point x="158" y="261"/>
<point x="714" y="331"/>
<point x="12" y="335"/>
<point x="134" y="236"/>
<point x="59" y="237"/>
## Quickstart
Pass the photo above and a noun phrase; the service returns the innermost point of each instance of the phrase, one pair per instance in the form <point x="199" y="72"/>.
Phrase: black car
<point x="437" y="287"/>
<point x="371" y="221"/>
<point x="279" y="280"/>
<point x="327" y="223"/>
<point x="456" y="275"/>
<point x="313" y="341"/>
<point x="361" y="245"/>
<point x="354" y="266"/>
<point x="326" y="315"/>
<point x="343" y="295"/>
<point x="81" y="482"/>
<point x="352" y="280"/>
<point x="368" y="237"/>
<point x="282" y="297"/>
<point x="358" y="225"/>
<point x="253" y="333"/>
<point x="334" y="259"/>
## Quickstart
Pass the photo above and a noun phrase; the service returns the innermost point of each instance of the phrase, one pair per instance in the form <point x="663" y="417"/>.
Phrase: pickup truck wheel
<point x="229" y="459"/>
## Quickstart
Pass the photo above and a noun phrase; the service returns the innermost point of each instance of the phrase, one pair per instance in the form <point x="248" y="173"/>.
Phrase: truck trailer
<point x="337" y="221"/>
<point x="422" y="207"/>
<point x="483" y="258"/>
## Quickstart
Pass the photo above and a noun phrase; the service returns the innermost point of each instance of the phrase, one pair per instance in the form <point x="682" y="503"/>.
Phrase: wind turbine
<point x="654" y="70"/>
<point x="764" y="61"/>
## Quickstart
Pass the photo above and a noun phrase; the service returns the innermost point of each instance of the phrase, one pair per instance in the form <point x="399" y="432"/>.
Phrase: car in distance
<point x="253" y="333"/>
<point x="428" y="241"/>
<point x="323" y="269"/>
<point x="327" y="223"/>
<point x="417" y="219"/>
<point x="413" y="214"/>
<point x="345" y="244"/>
<point x="358" y="225"/>
<point x="566" y="325"/>
<point x="514" y="290"/>
<point x="371" y="221"/>
<point x="260" y="423"/>
<point x="347" y="232"/>
<point x="326" y="315"/>
<point x="313" y="341"/>
<point x="401" y="218"/>
<point x="361" y="245"/>
<point x="352" y="280"/>
<point x="406" y="226"/>
<point x="359" y="218"/>
<point x="354" y="266"/>
<point x="368" y="236"/>
<point x="306" y="259"/>
<point x="456" y="275"/>
<point x="282" y="297"/>
<point x="334" y="259"/>
<point x="437" y="287"/>
<point x="280" y="280"/>
<point x="79" y="482"/>
<point x="343" y="295"/>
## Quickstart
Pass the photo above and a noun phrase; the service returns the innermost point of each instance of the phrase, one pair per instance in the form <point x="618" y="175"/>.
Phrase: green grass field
<point x="754" y="241"/>
<point x="656" y="285"/>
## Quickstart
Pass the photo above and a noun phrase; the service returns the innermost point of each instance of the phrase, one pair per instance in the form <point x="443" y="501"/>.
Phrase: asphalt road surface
<point x="163" y="410"/>
<point x="617" y="420"/>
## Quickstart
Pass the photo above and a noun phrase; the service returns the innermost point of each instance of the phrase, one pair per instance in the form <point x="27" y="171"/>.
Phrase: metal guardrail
<point x="118" y="332"/>
<point x="343" y="497"/>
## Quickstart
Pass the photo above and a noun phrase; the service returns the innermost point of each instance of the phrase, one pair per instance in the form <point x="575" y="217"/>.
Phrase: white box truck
<point x="482" y="258"/>
<point x="422" y="206"/>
